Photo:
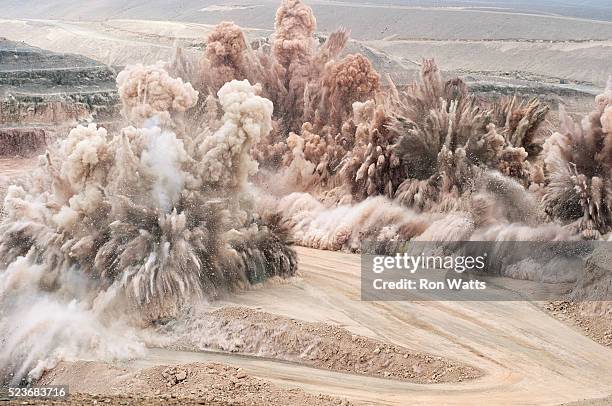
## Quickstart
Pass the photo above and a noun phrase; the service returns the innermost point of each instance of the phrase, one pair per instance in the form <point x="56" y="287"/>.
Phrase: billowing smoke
<point x="163" y="158"/>
<point x="294" y="42"/>
<point x="500" y="209"/>
<point x="345" y="227"/>
<point x="578" y="161"/>
<point x="295" y="73"/>
<point x="46" y="318"/>
<point x="447" y="139"/>
<point x="155" y="220"/>
<point x="226" y="50"/>
<point x="150" y="92"/>
<point x="204" y="189"/>
<point x="293" y="49"/>
<point x="342" y="137"/>
<point x="371" y="167"/>
<point x="342" y="83"/>
<point x="225" y="159"/>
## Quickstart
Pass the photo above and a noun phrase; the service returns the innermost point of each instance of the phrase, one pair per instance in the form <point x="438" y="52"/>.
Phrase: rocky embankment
<point x="320" y="345"/>
<point x="589" y="308"/>
<point x="185" y="384"/>
<point x="42" y="92"/>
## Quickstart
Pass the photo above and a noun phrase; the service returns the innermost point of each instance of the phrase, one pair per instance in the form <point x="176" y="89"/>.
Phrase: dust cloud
<point x="226" y="159"/>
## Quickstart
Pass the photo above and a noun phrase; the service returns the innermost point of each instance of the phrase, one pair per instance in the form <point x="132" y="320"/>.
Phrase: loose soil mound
<point x="187" y="384"/>
<point x="590" y="308"/>
<point x="247" y="331"/>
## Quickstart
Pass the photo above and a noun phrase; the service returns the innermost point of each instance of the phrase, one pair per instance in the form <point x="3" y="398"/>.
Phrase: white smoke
<point x="119" y="230"/>
<point x="226" y="162"/>
<point x="345" y="227"/>
<point x="40" y="327"/>
<point x="163" y="157"/>
<point x="500" y="211"/>
<point x="149" y="91"/>
<point x="123" y="229"/>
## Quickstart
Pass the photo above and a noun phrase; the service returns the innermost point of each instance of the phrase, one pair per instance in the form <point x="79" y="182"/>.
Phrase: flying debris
<point x="226" y="160"/>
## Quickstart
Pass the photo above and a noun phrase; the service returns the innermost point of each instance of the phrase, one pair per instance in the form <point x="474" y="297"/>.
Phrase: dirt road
<point x="529" y="358"/>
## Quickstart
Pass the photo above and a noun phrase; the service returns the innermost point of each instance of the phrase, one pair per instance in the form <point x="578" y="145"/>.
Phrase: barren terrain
<point x="507" y="48"/>
<point x="527" y="357"/>
<point x="367" y="20"/>
<point x="245" y="331"/>
<point x="310" y="339"/>
<point x="193" y="383"/>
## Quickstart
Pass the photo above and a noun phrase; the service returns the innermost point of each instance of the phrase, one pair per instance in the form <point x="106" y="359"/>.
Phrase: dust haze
<point x="181" y="172"/>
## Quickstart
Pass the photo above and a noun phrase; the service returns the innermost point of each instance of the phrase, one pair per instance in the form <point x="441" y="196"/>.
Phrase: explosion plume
<point x="342" y="83"/>
<point x="174" y="207"/>
<point x="578" y="162"/>
<point x="156" y="220"/>
<point x="301" y="78"/>
<point x="293" y="49"/>
<point x="447" y="140"/>
<point x="149" y="91"/>
<point x="226" y="50"/>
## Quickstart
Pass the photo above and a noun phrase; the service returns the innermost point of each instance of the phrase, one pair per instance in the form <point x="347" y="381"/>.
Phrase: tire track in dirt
<point x="528" y="357"/>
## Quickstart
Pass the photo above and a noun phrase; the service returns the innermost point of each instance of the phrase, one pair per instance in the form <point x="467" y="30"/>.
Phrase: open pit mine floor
<point x="526" y="357"/>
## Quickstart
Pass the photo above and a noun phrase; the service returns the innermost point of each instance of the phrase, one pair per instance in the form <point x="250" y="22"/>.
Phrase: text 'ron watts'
<point x="426" y="284"/>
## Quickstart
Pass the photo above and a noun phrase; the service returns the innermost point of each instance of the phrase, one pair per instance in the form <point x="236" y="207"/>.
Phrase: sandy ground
<point x="366" y="19"/>
<point x="248" y="331"/>
<point x="590" y="318"/>
<point x="607" y="401"/>
<point x="127" y="41"/>
<point x="193" y="383"/>
<point x="528" y="357"/>
<point x="113" y="42"/>
<point x="582" y="62"/>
